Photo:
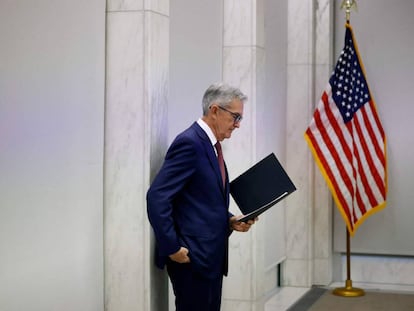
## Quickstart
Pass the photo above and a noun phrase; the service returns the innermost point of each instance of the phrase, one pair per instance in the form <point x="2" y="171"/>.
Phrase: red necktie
<point x="221" y="162"/>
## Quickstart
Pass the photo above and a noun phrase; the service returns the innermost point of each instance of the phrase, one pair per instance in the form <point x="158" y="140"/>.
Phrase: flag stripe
<point x="364" y="161"/>
<point x="333" y="142"/>
<point x="374" y="178"/>
<point x="328" y="174"/>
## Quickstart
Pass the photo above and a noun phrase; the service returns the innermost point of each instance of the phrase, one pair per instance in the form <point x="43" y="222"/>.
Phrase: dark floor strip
<point x="308" y="299"/>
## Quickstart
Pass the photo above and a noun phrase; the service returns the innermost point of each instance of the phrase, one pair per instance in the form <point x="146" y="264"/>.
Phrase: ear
<point x="213" y="110"/>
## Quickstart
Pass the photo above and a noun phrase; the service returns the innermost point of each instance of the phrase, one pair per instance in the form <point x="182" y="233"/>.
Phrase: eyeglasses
<point x="237" y="117"/>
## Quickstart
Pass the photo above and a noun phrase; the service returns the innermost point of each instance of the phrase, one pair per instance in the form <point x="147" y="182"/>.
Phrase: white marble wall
<point x="389" y="273"/>
<point x="322" y="200"/>
<point x="296" y="269"/>
<point x="243" y="65"/>
<point x="308" y="217"/>
<point x="135" y="141"/>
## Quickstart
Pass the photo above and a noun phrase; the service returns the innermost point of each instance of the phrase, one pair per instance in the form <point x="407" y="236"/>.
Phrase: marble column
<point x="309" y="216"/>
<point x="243" y="61"/>
<point x="135" y="141"/>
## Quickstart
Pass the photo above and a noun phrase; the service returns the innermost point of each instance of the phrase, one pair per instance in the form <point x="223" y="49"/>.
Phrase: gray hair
<point x="221" y="94"/>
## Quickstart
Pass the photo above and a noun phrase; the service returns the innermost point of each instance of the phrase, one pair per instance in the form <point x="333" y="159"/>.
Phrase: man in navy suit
<point x="188" y="204"/>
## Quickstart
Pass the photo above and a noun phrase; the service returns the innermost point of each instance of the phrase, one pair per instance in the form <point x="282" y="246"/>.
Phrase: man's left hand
<point x="239" y="225"/>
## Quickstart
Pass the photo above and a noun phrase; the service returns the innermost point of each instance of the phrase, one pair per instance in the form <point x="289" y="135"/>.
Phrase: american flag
<point x="347" y="140"/>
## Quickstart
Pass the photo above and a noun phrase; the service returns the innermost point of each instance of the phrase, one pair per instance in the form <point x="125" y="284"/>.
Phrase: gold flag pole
<point x="348" y="290"/>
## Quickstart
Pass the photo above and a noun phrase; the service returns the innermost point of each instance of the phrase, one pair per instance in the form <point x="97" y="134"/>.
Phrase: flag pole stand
<point x="348" y="290"/>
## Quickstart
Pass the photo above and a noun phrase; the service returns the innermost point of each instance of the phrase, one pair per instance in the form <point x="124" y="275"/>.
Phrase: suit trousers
<point x="193" y="291"/>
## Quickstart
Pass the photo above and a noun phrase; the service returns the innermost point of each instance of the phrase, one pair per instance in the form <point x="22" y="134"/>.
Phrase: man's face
<point x="227" y="119"/>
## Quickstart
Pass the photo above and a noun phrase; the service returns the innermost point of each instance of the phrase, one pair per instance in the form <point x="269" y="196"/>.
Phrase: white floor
<point x="286" y="297"/>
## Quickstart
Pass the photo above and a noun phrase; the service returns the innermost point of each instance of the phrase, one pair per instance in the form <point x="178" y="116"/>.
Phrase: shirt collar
<point x="208" y="131"/>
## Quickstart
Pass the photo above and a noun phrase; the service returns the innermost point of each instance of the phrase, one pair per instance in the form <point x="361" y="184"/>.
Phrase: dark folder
<point x="261" y="187"/>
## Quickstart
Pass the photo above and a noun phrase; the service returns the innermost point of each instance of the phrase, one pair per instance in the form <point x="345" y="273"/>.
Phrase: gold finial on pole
<point x="348" y="5"/>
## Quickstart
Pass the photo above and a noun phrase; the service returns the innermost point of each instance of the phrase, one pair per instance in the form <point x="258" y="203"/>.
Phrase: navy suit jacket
<point x="188" y="206"/>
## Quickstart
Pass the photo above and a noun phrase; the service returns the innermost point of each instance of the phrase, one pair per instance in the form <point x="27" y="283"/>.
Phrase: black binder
<point x="261" y="187"/>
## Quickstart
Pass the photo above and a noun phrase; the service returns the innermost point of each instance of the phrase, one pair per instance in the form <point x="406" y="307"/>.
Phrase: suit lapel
<point x="211" y="155"/>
